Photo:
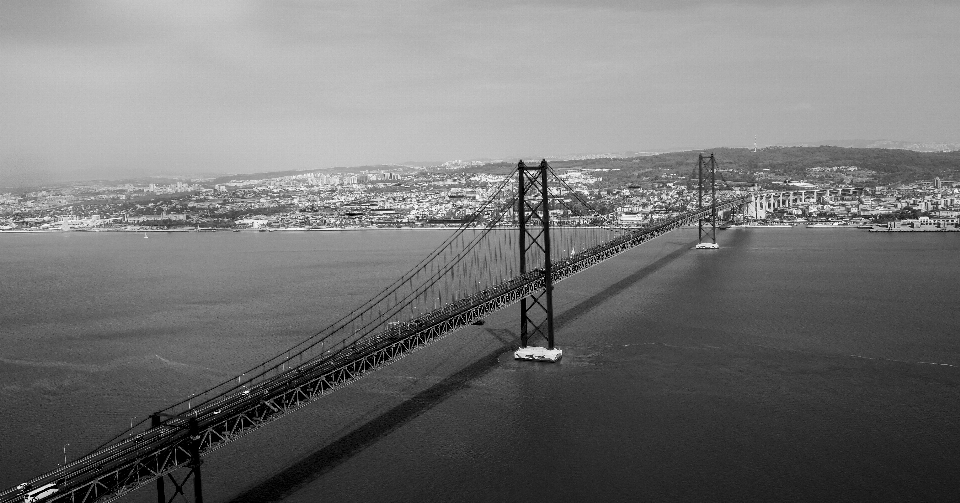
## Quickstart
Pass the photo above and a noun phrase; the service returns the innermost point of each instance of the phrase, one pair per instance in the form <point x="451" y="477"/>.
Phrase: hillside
<point x="892" y="166"/>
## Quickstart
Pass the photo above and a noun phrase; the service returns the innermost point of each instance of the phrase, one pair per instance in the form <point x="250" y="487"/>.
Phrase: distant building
<point x="159" y="218"/>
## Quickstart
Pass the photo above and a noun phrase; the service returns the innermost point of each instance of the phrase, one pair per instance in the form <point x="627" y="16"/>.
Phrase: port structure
<point x="533" y="214"/>
<point x="707" y="224"/>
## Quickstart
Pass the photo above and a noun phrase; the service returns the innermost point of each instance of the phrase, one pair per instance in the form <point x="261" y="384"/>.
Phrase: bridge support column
<point x="757" y="209"/>
<point x="193" y="430"/>
<point x="161" y="491"/>
<point x="195" y="460"/>
<point x="711" y="230"/>
<point x="536" y="311"/>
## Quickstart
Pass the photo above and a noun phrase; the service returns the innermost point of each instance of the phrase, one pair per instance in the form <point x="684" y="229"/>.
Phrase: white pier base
<point x="537" y="353"/>
<point x="707" y="246"/>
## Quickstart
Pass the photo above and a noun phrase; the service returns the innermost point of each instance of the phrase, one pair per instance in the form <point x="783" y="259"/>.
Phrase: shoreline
<point x="323" y="229"/>
<point x="898" y="229"/>
<point x="441" y="228"/>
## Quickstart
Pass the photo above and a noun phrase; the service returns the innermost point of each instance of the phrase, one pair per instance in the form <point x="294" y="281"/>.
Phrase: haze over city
<point x="112" y="89"/>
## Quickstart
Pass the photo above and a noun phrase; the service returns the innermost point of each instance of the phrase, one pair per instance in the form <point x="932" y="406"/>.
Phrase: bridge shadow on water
<point x="611" y="291"/>
<point x="315" y="465"/>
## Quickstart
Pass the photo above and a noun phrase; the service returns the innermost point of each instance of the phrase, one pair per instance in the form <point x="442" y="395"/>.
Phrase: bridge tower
<point x="533" y="214"/>
<point x="710" y="231"/>
<point x="192" y="450"/>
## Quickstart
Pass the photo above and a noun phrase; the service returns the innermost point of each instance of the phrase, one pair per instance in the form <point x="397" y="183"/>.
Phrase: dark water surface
<point x="790" y="365"/>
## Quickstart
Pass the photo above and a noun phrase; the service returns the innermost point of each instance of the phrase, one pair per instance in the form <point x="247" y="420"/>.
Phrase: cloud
<point x="231" y="86"/>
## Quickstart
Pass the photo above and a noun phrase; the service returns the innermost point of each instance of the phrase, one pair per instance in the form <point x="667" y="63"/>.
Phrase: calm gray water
<point x="791" y="365"/>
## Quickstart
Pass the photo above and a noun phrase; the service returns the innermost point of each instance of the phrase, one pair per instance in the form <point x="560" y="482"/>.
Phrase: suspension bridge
<point x="531" y="232"/>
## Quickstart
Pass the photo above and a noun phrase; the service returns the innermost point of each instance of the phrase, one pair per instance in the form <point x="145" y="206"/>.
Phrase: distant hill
<point x="891" y="165"/>
<point x="891" y="144"/>
<point x="276" y="174"/>
<point x="894" y="161"/>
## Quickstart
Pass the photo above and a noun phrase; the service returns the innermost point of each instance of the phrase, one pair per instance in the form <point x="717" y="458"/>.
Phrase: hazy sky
<point x="156" y="87"/>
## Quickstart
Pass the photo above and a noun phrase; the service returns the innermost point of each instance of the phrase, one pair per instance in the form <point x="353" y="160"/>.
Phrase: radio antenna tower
<point x="754" y="143"/>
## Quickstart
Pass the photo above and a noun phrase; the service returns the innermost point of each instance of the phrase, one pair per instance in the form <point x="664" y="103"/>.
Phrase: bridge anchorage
<point x="536" y="310"/>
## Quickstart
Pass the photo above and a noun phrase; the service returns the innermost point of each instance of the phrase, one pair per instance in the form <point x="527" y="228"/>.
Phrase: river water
<point x="792" y="365"/>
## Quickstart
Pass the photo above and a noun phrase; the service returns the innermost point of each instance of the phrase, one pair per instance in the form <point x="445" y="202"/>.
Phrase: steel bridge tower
<point x="533" y="213"/>
<point x="179" y="486"/>
<point x="710" y="231"/>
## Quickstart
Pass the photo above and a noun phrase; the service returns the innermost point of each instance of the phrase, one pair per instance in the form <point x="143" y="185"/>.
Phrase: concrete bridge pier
<point x="755" y="208"/>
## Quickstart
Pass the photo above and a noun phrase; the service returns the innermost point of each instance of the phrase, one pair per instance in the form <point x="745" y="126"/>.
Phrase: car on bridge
<point x="42" y="493"/>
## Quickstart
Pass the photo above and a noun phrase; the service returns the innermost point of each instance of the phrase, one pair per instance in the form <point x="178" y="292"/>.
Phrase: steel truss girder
<point x="116" y="470"/>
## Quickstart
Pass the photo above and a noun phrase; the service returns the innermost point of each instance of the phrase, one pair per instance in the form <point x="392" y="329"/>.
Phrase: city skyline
<point x="111" y="89"/>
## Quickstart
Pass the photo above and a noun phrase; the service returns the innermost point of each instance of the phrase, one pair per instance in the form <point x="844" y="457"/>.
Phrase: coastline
<point x="908" y="229"/>
<point x="875" y="228"/>
<point x="281" y="229"/>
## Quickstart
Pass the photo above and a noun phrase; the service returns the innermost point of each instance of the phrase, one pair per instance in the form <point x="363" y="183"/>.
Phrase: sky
<point x="133" y="88"/>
